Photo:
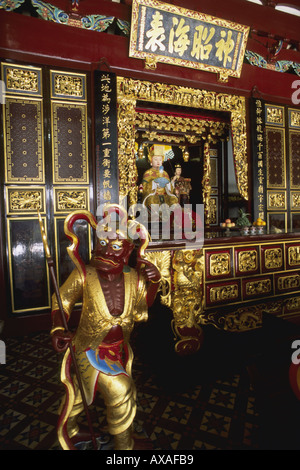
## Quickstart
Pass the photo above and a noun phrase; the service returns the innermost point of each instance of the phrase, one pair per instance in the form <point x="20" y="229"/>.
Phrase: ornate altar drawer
<point x="246" y="261"/>
<point x="255" y="287"/>
<point x="222" y="292"/>
<point x="272" y="258"/>
<point x="293" y="256"/>
<point x="287" y="282"/>
<point x="292" y="306"/>
<point x="218" y="264"/>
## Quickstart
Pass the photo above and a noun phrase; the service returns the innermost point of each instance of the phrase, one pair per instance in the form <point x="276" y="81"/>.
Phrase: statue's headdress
<point x="156" y="150"/>
<point x="128" y="229"/>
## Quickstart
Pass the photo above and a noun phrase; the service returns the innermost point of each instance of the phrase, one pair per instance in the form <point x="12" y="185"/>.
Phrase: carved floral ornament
<point x="129" y="91"/>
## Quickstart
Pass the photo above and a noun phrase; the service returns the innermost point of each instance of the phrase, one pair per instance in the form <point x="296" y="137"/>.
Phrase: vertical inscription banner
<point x="259" y="159"/>
<point x="106" y="138"/>
<point x="161" y="32"/>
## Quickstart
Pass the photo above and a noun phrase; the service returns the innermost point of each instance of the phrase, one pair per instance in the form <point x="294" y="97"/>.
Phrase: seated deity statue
<point x="156" y="186"/>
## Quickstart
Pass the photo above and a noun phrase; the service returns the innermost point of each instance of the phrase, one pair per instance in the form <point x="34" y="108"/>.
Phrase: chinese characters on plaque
<point x="259" y="158"/>
<point x="106" y="138"/>
<point x="165" y="33"/>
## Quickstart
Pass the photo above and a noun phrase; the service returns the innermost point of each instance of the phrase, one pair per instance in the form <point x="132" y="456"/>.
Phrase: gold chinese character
<point x="156" y="34"/>
<point x="106" y="174"/>
<point x="105" y="78"/>
<point x="201" y="47"/>
<point x="105" y="109"/>
<point x="106" y="98"/>
<point x="106" y="184"/>
<point x="105" y="133"/>
<point x="105" y="88"/>
<point x="106" y="162"/>
<point x="181" y="44"/>
<point x="225" y="47"/>
<point x="106" y="120"/>
<point x="106" y="152"/>
<point x="107" y="195"/>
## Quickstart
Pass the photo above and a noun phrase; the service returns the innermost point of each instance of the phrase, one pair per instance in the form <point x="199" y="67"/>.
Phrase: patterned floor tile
<point x="18" y="365"/>
<point x="177" y="412"/>
<point x="164" y="439"/>
<point x="33" y="434"/>
<point x="200" y="445"/>
<point x="222" y="398"/>
<point x="146" y="402"/>
<point x="38" y="371"/>
<point x="37" y="397"/>
<point x="216" y="424"/>
<point x="250" y="437"/>
<point x="14" y="388"/>
<point x="231" y="381"/>
<point x="251" y="406"/>
<point x="8" y="420"/>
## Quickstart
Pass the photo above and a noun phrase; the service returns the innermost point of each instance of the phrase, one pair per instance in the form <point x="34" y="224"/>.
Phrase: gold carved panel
<point x="258" y="287"/>
<point x="273" y="258"/>
<point x="288" y="282"/>
<point x="194" y="129"/>
<point x="66" y="85"/>
<point x="295" y="200"/>
<point x="294" y="255"/>
<point x="247" y="261"/>
<point x="276" y="200"/>
<point x="219" y="264"/>
<point x="293" y="304"/>
<point x="229" y="292"/>
<point x="274" y="115"/>
<point x="294" y="118"/>
<point x="22" y="80"/>
<point x="70" y="199"/>
<point x="25" y="200"/>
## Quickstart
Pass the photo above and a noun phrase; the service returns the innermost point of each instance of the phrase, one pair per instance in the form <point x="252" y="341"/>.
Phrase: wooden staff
<point x="50" y="264"/>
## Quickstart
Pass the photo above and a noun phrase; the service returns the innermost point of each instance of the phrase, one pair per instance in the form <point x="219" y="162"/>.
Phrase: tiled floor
<point x="218" y="414"/>
<point x="233" y="394"/>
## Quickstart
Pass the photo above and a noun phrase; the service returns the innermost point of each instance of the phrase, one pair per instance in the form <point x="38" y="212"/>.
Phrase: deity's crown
<point x="156" y="151"/>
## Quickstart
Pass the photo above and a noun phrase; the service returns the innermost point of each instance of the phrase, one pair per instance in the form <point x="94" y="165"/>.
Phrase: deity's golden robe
<point x="96" y="320"/>
<point x="161" y="194"/>
<point x="118" y="391"/>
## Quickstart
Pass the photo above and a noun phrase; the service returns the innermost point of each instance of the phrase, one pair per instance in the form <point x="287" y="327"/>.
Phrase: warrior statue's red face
<point x="111" y="253"/>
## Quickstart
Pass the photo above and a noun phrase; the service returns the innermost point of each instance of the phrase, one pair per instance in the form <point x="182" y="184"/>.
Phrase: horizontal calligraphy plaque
<point x="166" y="33"/>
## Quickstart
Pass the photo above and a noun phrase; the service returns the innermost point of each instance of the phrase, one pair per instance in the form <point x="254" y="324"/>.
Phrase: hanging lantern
<point x="186" y="154"/>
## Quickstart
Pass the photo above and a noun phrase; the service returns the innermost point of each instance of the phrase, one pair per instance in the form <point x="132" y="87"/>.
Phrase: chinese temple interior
<point x="93" y="93"/>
